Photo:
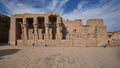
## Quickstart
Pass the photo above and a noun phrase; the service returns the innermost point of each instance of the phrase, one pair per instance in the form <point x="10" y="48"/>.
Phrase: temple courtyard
<point x="59" y="57"/>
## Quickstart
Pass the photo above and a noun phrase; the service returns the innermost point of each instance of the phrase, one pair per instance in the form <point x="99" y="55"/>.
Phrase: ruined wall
<point x="71" y="32"/>
<point x="73" y="24"/>
<point x="72" y="27"/>
<point x="114" y="38"/>
<point x="50" y="29"/>
<point x="4" y="28"/>
<point x="94" y="33"/>
<point x="100" y="31"/>
<point x="88" y="36"/>
<point x="95" y="22"/>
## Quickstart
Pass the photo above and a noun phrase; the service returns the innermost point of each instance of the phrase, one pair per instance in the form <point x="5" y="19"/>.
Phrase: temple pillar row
<point x="25" y="29"/>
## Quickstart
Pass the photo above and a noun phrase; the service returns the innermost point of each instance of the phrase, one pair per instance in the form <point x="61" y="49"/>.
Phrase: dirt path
<point x="59" y="57"/>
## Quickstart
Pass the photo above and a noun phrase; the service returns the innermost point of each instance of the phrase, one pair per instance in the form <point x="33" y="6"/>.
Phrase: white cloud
<point x="16" y="7"/>
<point x="52" y="5"/>
<point x="109" y="11"/>
<point x="59" y="7"/>
<point x="56" y="5"/>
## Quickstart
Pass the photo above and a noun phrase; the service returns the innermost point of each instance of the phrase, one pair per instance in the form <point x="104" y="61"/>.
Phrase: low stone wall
<point x="62" y="43"/>
<point x="114" y="38"/>
<point x="20" y="42"/>
<point x="114" y="42"/>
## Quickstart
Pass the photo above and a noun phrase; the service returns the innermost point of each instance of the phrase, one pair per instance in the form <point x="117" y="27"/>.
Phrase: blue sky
<point x="109" y="10"/>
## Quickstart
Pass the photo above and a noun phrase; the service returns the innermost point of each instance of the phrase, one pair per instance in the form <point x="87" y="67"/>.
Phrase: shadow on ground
<point x="4" y="44"/>
<point x="8" y="52"/>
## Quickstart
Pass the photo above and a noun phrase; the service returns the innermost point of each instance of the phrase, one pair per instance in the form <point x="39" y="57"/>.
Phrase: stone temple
<point x="49" y="29"/>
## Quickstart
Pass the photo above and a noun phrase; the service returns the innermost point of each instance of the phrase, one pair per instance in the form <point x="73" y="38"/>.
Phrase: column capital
<point x="35" y="20"/>
<point x="47" y="25"/>
<point x="46" y="17"/>
<point x="46" y="20"/>
<point x="58" y="19"/>
<point x="24" y="20"/>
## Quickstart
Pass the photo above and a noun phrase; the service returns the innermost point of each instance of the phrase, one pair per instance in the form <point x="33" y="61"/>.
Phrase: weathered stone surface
<point x="95" y="22"/>
<point x="4" y="28"/>
<point x="114" y="38"/>
<point x="49" y="29"/>
<point x="59" y="57"/>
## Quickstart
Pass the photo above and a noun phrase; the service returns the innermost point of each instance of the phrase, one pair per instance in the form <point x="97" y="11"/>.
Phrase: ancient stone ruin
<point x="114" y="38"/>
<point x="49" y="29"/>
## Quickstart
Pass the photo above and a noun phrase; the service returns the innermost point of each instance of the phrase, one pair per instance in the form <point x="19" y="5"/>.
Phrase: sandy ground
<point x="59" y="57"/>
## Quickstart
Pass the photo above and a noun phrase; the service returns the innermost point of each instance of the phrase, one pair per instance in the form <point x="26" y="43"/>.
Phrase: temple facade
<point x="49" y="29"/>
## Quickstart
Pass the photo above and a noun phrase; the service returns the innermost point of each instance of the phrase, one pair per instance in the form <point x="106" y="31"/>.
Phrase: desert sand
<point x="59" y="57"/>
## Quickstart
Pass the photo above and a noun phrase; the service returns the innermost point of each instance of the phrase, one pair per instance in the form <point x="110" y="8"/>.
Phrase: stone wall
<point x="114" y="38"/>
<point x="95" y="22"/>
<point x="50" y="29"/>
<point x="4" y="28"/>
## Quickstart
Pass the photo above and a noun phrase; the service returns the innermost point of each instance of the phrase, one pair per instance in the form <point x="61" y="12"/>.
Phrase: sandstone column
<point x="40" y="34"/>
<point x="12" y="32"/>
<point x="46" y="31"/>
<point x="24" y="31"/>
<point x="35" y="31"/>
<point x="58" y="28"/>
<point x="46" y="25"/>
<point x="58" y="25"/>
<point x="50" y="32"/>
<point x="58" y="35"/>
